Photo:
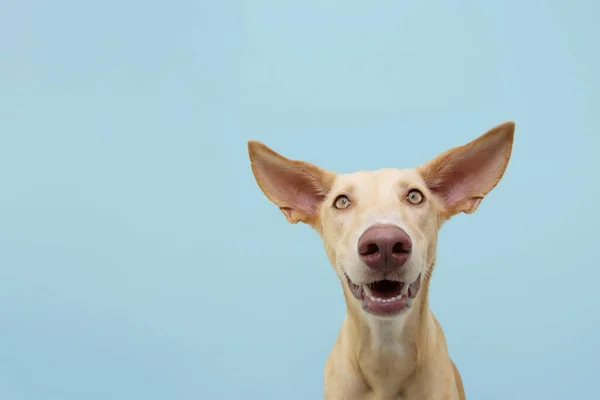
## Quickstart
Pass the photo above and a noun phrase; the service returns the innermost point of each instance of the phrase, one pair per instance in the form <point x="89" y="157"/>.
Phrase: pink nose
<point x="384" y="247"/>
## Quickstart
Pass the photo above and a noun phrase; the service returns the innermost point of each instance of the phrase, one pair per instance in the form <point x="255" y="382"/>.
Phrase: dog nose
<point x="384" y="247"/>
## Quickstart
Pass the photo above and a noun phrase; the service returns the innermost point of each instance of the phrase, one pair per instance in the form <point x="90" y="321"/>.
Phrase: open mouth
<point x="385" y="298"/>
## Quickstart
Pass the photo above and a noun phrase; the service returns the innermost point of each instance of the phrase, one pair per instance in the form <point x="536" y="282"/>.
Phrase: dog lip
<point x="357" y="290"/>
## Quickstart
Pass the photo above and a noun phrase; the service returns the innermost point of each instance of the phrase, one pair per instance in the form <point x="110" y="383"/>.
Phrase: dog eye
<point x="415" y="197"/>
<point x="341" y="202"/>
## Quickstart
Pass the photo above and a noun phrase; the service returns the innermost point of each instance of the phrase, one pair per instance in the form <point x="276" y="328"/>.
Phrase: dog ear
<point x="298" y="188"/>
<point x="463" y="176"/>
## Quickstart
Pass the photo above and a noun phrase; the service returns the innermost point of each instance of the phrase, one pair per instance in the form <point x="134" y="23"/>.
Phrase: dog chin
<point x="385" y="298"/>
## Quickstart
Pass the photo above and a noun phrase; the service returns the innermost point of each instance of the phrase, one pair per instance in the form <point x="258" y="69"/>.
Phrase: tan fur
<point x="405" y="356"/>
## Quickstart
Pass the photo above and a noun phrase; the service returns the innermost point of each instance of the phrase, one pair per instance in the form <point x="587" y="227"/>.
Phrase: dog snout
<point x="384" y="247"/>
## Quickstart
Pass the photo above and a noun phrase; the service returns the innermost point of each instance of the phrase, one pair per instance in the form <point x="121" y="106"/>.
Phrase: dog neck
<point x="403" y="342"/>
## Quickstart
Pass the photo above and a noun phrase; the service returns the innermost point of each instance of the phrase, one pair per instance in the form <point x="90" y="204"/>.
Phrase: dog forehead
<point x="371" y="180"/>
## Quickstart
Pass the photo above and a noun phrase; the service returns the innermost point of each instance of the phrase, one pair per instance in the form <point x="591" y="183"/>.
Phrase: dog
<point x="380" y="231"/>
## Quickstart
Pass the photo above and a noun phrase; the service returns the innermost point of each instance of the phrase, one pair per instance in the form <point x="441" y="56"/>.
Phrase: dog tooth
<point x="404" y="289"/>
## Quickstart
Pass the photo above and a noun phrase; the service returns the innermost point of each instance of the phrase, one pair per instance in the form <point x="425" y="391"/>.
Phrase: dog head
<point x="380" y="227"/>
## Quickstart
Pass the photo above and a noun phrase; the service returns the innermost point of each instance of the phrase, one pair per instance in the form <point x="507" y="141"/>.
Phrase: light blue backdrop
<point x="139" y="260"/>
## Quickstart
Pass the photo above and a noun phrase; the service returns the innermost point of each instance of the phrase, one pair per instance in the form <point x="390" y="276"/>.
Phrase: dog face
<point x="380" y="227"/>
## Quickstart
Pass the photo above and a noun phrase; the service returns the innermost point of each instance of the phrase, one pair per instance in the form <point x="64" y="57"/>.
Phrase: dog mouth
<point x="385" y="297"/>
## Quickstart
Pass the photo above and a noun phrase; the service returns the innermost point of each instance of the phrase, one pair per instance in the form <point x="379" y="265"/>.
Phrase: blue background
<point x="139" y="260"/>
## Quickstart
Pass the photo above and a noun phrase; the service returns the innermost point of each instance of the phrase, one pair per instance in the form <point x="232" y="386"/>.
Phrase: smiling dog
<point x="380" y="231"/>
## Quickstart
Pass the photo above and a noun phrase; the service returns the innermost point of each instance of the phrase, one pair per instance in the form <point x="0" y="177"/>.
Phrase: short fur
<point x="403" y="356"/>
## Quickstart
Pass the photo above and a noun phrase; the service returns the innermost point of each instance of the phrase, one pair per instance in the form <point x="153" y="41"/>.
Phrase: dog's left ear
<point x="463" y="176"/>
<point x="298" y="188"/>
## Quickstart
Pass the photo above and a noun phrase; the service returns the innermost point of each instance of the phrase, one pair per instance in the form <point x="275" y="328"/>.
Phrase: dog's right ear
<point x="298" y="188"/>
